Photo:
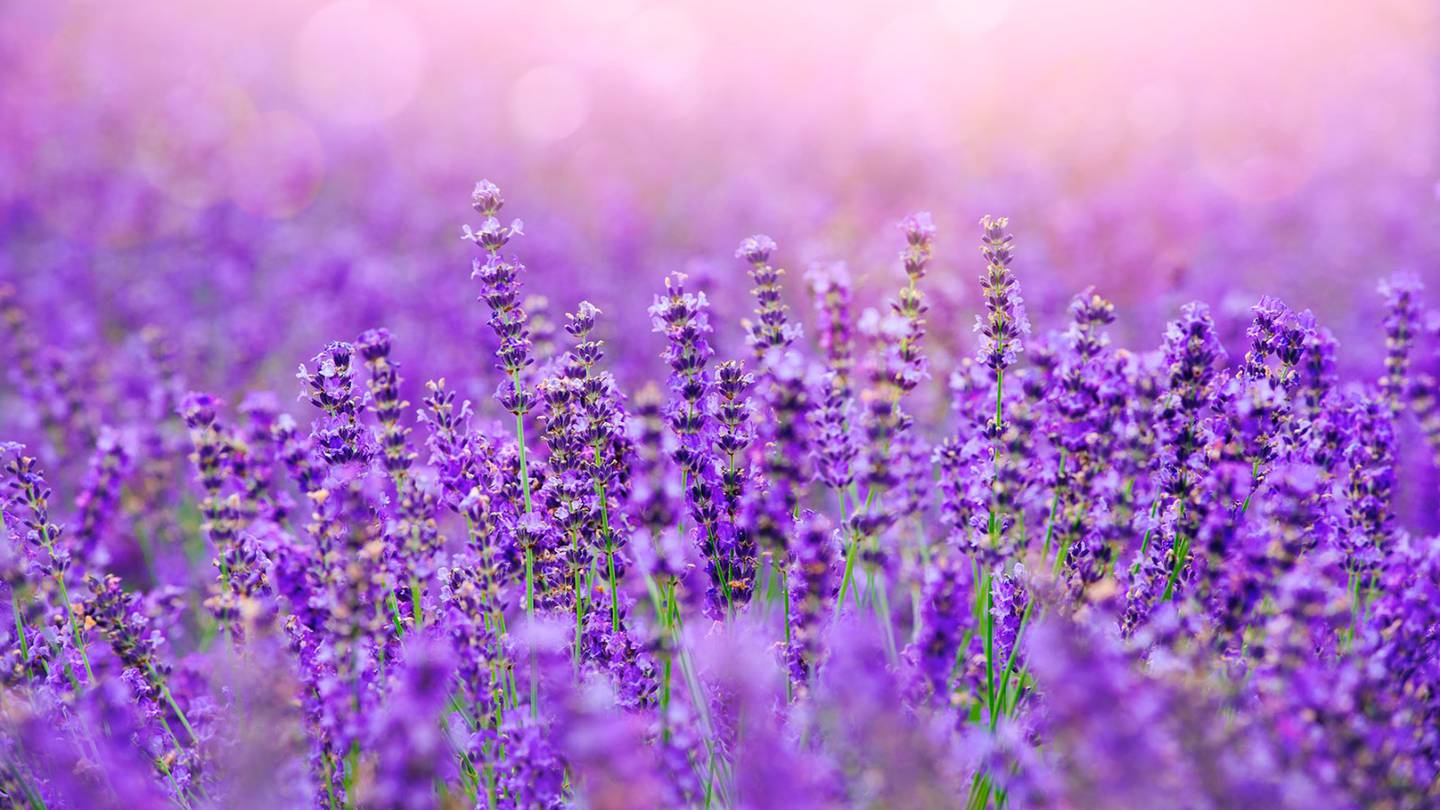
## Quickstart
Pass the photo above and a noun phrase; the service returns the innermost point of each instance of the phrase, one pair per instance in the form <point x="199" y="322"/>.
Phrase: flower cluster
<point x="795" y="571"/>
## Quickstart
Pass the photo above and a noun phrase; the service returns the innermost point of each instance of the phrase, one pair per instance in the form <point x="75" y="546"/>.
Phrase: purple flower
<point x="337" y="434"/>
<point x="385" y="402"/>
<point x="96" y="503"/>
<point x="405" y="735"/>
<point x="941" y="624"/>
<point x="684" y="320"/>
<point x="1005" y="325"/>
<point x="500" y="289"/>
<point x="1402" y="323"/>
<point x="814" y="579"/>
<point x="486" y="199"/>
<point x="772" y="336"/>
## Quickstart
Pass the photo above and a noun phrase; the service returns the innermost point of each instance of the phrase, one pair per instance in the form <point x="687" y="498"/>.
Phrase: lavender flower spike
<point x="1005" y="324"/>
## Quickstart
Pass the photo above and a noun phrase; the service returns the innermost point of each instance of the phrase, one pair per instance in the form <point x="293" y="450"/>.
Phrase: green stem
<point x="394" y="605"/>
<point x="1182" y="554"/>
<point x="614" y="593"/>
<point x="1010" y="662"/>
<point x="330" y="780"/>
<point x="603" y="497"/>
<point x="1145" y="541"/>
<point x="882" y="607"/>
<point x="851" y="552"/>
<point x="175" y="707"/>
<point x="672" y="622"/>
<point x="524" y="463"/>
<point x="20" y="627"/>
<point x="1254" y="483"/>
<point x="530" y="613"/>
<point x="579" y="621"/>
<point x="999" y="404"/>
<point x="785" y="590"/>
<point x="988" y="626"/>
<point x="529" y="550"/>
<point x="74" y="625"/>
<point x="352" y="764"/>
<point x="1054" y="506"/>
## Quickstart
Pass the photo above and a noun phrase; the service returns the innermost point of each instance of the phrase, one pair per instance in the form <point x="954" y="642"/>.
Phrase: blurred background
<point x="257" y="178"/>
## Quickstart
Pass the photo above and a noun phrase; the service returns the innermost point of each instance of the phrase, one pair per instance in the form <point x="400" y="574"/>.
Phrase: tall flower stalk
<point x="900" y="367"/>
<point x="499" y="278"/>
<point x="1001" y="330"/>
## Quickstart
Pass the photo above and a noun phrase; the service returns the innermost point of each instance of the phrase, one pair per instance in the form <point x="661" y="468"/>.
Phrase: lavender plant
<point x="854" y="562"/>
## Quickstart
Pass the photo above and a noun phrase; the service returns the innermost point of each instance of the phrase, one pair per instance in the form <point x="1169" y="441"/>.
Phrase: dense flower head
<point x="385" y="401"/>
<point x="499" y="276"/>
<point x="1004" y="326"/>
<point x="99" y="496"/>
<point x="27" y="501"/>
<point x="899" y="368"/>
<point x="1191" y="351"/>
<point x="1402" y="324"/>
<point x="831" y="288"/>
<point x="338" y="436"/>
<point x="755" y="249"/>
<point x="771" y="328"/>
<point x="1264" y="334"/>
<point x="919" y="230"/>
<point x="492" y="235"/>
<point x="833" y="437"/>
<point x="814" y="579"/>
<point x="486" y="199"/>
<point x="784" y="398"/>
<point x="941" y="626"/>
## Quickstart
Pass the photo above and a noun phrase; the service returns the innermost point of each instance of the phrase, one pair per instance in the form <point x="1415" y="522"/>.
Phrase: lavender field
<point x="940" y="404"/>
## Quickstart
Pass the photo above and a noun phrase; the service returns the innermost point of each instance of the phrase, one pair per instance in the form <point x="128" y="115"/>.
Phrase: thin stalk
<point x="785" y="590"/>
<point x="395" y="621"/>
<point x="662" y="614"/>
<point x="530" y="550"/>
<point x="849" y="572"/>
<point x="530" y="612"/>
<point x="20" y="627"/>
<point x="74" y="625"/>
<point x="882" y="605"/>
<point x="330" y="780"/>
<point x="579" y="621"/>
<point x="1054" y="505"/>
<point x="980" y="787"/>
<point x="852" y="551"/>
<point x="979" y="792"/>
<point x="64" y="596"/>
<point x="603" y="497"/>
<point x="170" y="700"/>
<point x="1182" y="554"/>
<point x="989" y="627"/>
<point x="999" y="402"/>
<point x="697" y="695"/>
<point x="524" y="463"/>
<point x="1010" y="661"/>
<point x="1145" y="541"/>
<point x="614" y="590"/>
<point x="352" y="764"/>
<point x="984" y="595"/>
<point x="1254" y="481"/>
<point x="915" y="596"/>
<point x="415" y="599"/>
